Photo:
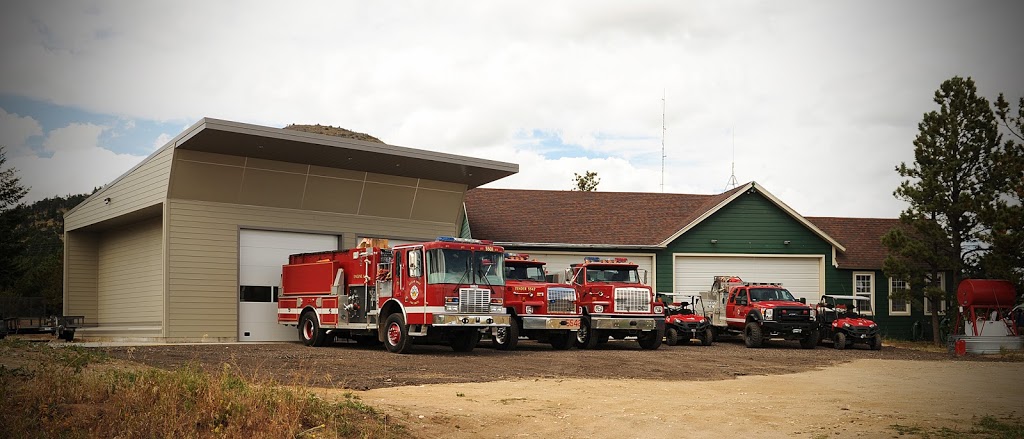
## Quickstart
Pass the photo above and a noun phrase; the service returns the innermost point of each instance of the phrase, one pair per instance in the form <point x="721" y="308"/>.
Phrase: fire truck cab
<point x="615" y="302"/>
<point x="539" y="310"/>
<point x="443" y="291"/>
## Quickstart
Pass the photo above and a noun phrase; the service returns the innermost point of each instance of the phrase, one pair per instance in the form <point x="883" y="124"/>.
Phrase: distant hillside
<point x="333" y="131"/>
<point x="44" y="224"/>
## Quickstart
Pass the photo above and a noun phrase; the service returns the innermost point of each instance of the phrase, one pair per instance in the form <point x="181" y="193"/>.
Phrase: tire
<point x="506" y="337"/>
<point x="651" y="340"/>
<point x="396" y="334"/>
<point x="586" y="337"/>
<point x="839" y="340"/>
<point x="708" y="338"/>
<point x="465" y="340"/>
<point x="876" y="342"/>
<point x="310" y="333"/>
<point x="562" y="341"/>
<point x="752" y="335"/>
<point x="671" y="336"/>
<point x="810" y="341"/>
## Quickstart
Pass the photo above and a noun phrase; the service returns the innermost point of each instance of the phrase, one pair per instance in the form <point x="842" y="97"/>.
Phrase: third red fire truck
<point x="444" y="291"/>
<point x="614" y="302"/>
<point x="540" y="310"/>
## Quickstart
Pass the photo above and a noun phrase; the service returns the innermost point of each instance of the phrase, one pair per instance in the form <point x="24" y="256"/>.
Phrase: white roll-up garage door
<point x="261" y="253"/>
<point x="801" y="275"/>
<point x="557" y="262"/>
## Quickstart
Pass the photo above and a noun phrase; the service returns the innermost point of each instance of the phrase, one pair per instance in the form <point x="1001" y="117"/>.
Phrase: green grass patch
<point x="1008" y="427"/>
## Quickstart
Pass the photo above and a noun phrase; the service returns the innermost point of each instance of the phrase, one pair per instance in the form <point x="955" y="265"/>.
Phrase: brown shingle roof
<point x="592" y="218"/>
<point x="862" y="238"/>
<point x="583" y="218"/>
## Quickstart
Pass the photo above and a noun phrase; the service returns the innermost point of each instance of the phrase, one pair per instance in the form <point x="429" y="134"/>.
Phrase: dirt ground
<point x="619" y="390"/>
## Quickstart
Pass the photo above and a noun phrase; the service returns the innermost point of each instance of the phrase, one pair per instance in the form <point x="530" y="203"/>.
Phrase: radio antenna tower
<point x="663" y="140"/>
<point x="732" y="178"/>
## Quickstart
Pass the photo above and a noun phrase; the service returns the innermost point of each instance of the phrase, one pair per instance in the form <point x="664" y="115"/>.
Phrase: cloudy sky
<point x="819" y="100"/>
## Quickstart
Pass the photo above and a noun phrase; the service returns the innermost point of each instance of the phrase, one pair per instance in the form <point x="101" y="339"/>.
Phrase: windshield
<point x="450" y="266"/>
<point x="614" y="274"/>
<point x="525" y="272"/>
<point x="766" y="294"/>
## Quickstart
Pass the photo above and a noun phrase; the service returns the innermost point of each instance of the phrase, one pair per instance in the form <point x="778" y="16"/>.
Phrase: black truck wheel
<point x="671" y="336"/>
<point x="651" y="340"/>
<point x="396" y="334"/>
<point x="586" y="336"/>
<point x="465" y="340"/>
<point x="876" y="342"/>
<point x="506" y="337"/>
<point x="839" y="340"/>
<point x="708" y="337"/>
<point x="752" y="335"/>
<point x="310" y="333"/>
<point x="810" y="340"/>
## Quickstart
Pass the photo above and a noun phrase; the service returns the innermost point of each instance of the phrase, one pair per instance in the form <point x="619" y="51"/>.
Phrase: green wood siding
<point x="750" y="224"/>
<point x="917" y="325"/>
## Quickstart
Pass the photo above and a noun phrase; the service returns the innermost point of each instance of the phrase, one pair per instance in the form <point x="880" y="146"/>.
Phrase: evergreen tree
<point x="11" y="216"/>
<point x="1006" y="217"/>
<point x="587" y="182"/>
<point x="951" y="181"/>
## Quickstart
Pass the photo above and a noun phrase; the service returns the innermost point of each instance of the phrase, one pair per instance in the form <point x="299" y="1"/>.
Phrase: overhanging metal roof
<point x="240" y="139"/>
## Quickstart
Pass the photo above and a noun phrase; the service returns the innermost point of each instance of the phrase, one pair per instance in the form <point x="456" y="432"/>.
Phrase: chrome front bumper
<point x="551" y="322"/>
<point x="636" y="323"/>
<point x="480" y="320"/>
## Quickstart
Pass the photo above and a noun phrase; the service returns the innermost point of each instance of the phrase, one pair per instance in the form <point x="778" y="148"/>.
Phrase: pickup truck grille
<point x="632" y="300"/>
<point x="792" y="314"/>
<point x="474" y="300"/>
<point x="561" y="300"/>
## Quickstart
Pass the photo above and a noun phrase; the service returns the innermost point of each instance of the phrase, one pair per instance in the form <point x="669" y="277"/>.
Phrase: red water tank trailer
<point x="986" y="292"/>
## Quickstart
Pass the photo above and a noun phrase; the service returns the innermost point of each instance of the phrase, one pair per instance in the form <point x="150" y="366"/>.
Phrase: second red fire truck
<point x="443" y="291"/>
<point x="614" y="302"/>
<point x="540" y="310"/>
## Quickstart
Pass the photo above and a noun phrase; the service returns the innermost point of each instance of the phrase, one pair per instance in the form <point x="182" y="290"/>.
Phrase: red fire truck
<point x="540" y="310"/>
<point x="759" y="311"/>
<point x="614" y="302"/>
<point x="444" y="291"/>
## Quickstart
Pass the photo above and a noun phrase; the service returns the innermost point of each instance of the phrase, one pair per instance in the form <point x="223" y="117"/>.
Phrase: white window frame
<point x="870" y="294"/>
<point x="892" y="287"/>
<point x="942" y="304"/>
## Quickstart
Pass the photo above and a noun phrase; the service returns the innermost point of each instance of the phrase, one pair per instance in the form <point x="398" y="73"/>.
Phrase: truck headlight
<point x="529" y="310"/>
<point x="847" y="325"/>
<point x="769" y="314"/>
<point x="451" y="307"/>
<point x="598" y="308"/>
<point x="874" y="325"/>
<point x="812" y="315"/>
<point x="658" y="309"/>
<point x="497" y="309"/>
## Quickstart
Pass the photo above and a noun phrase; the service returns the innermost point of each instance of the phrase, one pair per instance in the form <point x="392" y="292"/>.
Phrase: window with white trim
<point x="864" y="285"/>
<point x="928" y="303"/>
<point x="898" y="307"/>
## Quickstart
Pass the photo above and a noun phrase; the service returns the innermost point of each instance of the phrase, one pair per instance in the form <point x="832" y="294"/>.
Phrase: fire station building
<point x="683" y="241"/>
<point x="188" y="245"/>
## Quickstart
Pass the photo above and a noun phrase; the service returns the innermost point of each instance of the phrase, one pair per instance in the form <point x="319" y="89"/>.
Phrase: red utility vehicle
<point x="540" y="310"/>
<point x="686" y="319"/>
<point x="841" y="323"/>
<point x="760" y="311"/>
<point x="615" y="303"/>
<point x="444" y="291"/>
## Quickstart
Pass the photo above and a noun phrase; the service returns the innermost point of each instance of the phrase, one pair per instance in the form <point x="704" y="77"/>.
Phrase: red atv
<point x="686" y="319"/>
<point x="841" y="323"/>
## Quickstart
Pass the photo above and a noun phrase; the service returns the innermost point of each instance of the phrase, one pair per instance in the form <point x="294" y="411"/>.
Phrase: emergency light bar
<point x="598" y="259"/>
<point x="462" y="240"/>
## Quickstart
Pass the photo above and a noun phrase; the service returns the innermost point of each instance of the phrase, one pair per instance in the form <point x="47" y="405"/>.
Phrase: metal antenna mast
<point x="663" y="140"/>
<point x="732" y="178"/>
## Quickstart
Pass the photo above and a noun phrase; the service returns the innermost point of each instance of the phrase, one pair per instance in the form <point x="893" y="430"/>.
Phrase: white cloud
<point x="161" y="140"/>
<point x="77" y="165"/>
<point x="824" y="96"/>
<point x="15" y="131"/>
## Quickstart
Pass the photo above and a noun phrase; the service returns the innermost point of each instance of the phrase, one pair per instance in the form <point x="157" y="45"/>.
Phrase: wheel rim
<point x="583" y="334"/>
<point x="501" y="335"/>
<point x="394" y="334"/>
<point x="307" y="329"/>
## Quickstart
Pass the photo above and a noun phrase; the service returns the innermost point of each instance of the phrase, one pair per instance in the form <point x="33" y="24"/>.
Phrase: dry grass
<point x="75" y="392"/>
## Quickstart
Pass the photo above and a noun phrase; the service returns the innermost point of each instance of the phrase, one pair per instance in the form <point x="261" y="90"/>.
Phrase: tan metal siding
<point x="80" y="272"/>
<point x="130" y="280"/>
<point x="142" y="187"/>
<point x="202" y="284"/>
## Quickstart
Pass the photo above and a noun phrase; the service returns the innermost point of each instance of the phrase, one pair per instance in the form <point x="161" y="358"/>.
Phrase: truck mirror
<point x="645" y="277"/>
<point x="803" y="300"/>
<point x="568" y="276"/>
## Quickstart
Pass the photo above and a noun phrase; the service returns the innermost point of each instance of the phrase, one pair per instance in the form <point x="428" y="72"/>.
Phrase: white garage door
<point x="557" y="262"/>
<point x="261" y="254"/>
<point x="802" y="276"/>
